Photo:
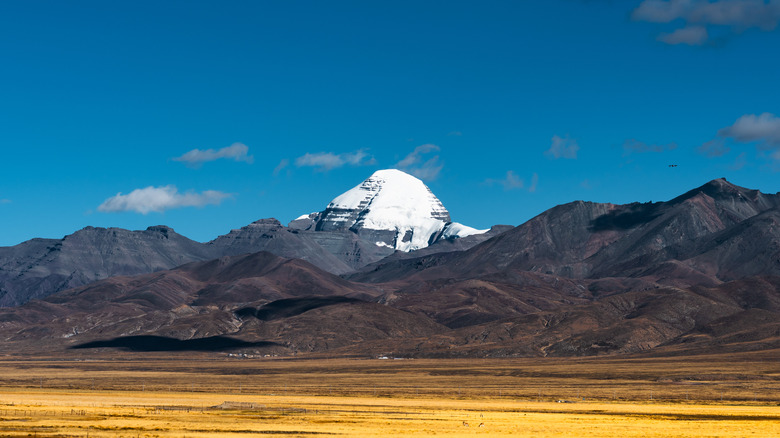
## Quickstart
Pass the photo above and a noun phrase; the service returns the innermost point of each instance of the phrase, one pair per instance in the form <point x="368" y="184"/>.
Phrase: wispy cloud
<point x="691" y="35"/>
<point x="159" y="199"/>
<point x="236" y="152"/>
<point x="415" y="157"/>
<point x="5" y="201"/>
<point x="281" y="166"/>
<point x="324" y="161"/>
<point x="631" y="146"/>
<point x="455" y="133"/>
<point x="563" y="147"/>
<point x="698" y="16"/>
<point x="416" y="164"/>
<point x="763" y="130"/>
<point x="714" y="148"/>
<point x="511" y="181"/>
<point x="534" y="182"/>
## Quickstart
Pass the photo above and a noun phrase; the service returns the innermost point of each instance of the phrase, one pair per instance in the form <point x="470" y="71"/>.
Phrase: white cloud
<point x="429" y="170"/>
<point x="697" y="15"/>
<point x="159" y="199"/>
<point x="236" y="152"/>
<point x="764" y="128"/>
<point x="325" y="161"/>
<point x="415" y="156"/>
<point x="563" y="147"/>
<point x="534" y="182"/>
<point x="661" y="11"/>
<point x="417" y="165"/>
<point x="511" y="181"/>
<point x="281" y="166"/>
<point x="691" y="35"/>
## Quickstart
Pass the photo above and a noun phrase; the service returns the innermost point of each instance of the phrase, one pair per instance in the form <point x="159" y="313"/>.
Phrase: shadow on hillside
<point x="629" y="217"/>
<point x="286" y="308"/>
<point x="162" y="343"/>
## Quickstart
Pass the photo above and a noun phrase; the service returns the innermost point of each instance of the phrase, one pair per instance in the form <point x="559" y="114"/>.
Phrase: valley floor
<point x="129" y="396"/>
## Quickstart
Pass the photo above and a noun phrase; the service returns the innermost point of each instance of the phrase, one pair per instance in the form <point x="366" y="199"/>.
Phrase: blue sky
<point x="206" y="116"/>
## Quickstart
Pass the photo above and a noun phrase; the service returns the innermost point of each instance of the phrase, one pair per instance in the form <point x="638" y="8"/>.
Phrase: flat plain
<point x="125" y="395"/>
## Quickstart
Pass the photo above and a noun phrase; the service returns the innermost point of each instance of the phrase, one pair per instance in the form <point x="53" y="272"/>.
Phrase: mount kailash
<point x="388" y="212"/>
<point x="697" y="274"/>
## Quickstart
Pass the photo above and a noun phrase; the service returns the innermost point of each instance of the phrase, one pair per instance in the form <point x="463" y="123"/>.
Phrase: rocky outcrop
<point x="270" y="235"/>
<point x="40" y="267"/>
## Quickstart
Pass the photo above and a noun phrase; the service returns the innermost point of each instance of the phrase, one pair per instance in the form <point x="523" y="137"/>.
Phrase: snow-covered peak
<point x="390" y="208"/>
<point x="391" y="195"/>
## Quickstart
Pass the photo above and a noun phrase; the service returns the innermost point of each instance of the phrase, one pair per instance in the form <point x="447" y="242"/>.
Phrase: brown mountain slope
<point x="194" y="301"/>
<point x="736" y="316"/>
<point x="271" y="305"/>
<point x="679" y="241"/>
<point x="699" y="273"/>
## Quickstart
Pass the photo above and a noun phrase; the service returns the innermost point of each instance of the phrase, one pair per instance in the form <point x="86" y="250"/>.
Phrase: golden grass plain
<point x="158" y="396"/>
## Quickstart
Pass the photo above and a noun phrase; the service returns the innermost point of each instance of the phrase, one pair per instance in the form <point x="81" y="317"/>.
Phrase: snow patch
<point x="457" y="230"/>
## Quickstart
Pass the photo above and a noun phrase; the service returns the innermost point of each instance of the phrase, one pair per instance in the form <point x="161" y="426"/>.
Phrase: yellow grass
<point x="365" y="398"/>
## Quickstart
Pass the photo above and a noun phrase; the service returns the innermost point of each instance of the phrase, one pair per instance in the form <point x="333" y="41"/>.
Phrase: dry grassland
<point x="123" y="396"/>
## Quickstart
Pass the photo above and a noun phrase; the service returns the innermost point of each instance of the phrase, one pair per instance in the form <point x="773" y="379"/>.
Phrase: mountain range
<point x="389" y="211"/>
<point x="373" y="274"/>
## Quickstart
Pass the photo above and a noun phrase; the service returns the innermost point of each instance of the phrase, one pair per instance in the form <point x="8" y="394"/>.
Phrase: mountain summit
<point x="697" y="274"/>
<point x="390" y="208"/>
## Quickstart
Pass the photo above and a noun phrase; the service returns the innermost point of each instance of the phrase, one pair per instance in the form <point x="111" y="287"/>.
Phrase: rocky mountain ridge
<point x="694" y="275"/>
<point x="684" y="241"/>
<point x="40" y="267"/>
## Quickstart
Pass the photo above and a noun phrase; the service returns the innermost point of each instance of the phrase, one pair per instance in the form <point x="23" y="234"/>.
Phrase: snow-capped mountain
<point x="390" y="208"/>
<point x="387" y="212"/>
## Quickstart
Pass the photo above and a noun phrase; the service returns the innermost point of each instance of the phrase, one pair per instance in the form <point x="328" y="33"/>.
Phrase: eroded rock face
<point x="40" y="267"/>
<point x="270" y="235"/>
